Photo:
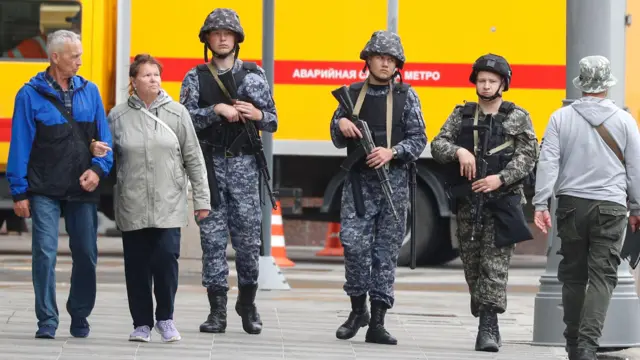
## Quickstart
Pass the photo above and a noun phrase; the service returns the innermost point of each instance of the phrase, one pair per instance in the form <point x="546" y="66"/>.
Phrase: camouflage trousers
<point x="372" y="242"/>
<point x="486" y="268"/>
<point x="237" y="217"/>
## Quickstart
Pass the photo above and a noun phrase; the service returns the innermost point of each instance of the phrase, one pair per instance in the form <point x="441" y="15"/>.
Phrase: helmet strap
<point x="377" y="78"/>
<point x="492" y="97"/>
<point x="235" y="52"/>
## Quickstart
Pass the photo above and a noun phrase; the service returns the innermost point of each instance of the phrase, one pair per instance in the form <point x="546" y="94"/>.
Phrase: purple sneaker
<point x="141" y="333"/>
<point x="167" y="330"/>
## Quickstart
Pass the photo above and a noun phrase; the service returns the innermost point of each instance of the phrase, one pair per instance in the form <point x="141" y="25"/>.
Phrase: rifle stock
<point x="344" y="99"/>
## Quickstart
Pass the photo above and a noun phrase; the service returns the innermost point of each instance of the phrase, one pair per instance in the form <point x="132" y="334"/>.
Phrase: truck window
<point x="25" y="24"/>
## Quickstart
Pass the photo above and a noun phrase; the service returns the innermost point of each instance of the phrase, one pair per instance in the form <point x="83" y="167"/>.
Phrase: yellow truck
<point x="316" y="50"/>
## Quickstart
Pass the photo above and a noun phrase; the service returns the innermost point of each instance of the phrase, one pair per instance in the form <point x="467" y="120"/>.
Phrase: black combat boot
<point x="376" y="333"/>
<point x="217" y="319"/>
<point x="584" y="354"/>
<point x="359" y="317"/>
<point x="495" y="329"/>
<point x="246" y="308"/>
<point x="485" y="341"/>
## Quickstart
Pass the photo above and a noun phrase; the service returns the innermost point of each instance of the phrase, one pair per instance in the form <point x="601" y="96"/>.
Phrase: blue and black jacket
<point x="45" y="157"/>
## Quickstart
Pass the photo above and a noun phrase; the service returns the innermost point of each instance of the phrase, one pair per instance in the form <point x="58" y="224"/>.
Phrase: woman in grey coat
<point x="156" y="149"/>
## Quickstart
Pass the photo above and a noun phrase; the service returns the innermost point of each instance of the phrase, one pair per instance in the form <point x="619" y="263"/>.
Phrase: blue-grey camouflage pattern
<point x="222" y="18"/>
<point x="384" y="42"/>
<point x="372" y="242"/>
<point x="595" y="75"/>
<point x="239" y="214"/>
<point x="415" y="138"/>
<point x="254" y="86"/>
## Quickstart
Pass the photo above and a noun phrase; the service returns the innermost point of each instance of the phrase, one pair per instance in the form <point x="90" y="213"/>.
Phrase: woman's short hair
<point x="138" y="61"/>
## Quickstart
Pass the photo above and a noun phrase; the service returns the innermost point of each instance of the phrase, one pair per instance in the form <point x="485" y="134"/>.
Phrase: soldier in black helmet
<point x="231" y="165"/>
<point x="510" y="153"/>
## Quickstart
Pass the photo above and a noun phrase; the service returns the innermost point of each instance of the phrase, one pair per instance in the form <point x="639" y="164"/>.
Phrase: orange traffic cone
<point x="278" y="249"/>
<point x="332" y="244"/>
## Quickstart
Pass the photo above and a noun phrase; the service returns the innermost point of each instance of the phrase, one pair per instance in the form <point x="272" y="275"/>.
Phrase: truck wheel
<point x="433" y="246"/>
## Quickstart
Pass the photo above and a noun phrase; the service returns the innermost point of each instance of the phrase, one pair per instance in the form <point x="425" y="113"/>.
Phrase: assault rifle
<point x="478" y="198"/>
<point x="366" y="142"/>
<point x="227" y="84"/>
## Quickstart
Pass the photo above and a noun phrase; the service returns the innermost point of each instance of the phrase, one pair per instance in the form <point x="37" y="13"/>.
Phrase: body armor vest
<point x="221" y="134"/>
<point x="374" y="112"/>
<point x="500" y="149"/>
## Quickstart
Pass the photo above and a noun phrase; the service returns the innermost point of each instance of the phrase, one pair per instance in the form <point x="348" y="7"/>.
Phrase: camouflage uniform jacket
<point x="254" y="87"/>
<point x="518" y="127"/>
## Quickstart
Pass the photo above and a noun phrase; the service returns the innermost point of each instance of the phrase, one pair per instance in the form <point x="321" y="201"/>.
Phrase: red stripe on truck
<point x="298" y="72"/>
<point x="5" y="130"/>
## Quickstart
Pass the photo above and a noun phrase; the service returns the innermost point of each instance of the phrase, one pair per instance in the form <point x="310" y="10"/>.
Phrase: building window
<point x="25" y="24"/>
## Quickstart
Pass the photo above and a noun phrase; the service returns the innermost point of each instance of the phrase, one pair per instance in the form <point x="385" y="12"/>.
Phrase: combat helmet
<point x="384" y="43"/>
<point x="222" y="18"/>
<point x="495" y="64"/>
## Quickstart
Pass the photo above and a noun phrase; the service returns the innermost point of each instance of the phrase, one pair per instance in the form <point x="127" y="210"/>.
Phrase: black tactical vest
<point x="221" y="134"/>
<point x="374" y="113"/>
<point x="497" y="141"/>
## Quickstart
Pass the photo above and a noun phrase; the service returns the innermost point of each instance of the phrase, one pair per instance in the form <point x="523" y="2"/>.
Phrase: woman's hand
<point x="99" y="148"/>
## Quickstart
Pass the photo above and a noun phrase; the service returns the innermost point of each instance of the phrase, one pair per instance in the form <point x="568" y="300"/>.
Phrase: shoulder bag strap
<point x="157" y="119"/>
<point x="606" y="136"/>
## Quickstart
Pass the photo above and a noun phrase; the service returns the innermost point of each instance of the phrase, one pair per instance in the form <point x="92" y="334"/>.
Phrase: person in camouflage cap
<point x="511" y="154"/>
<point x="221" y="19"/>
<point x="595" y="75"/>
<point x="221" y="125"/>
<point x="589" y="161"/>
<point x="370" y="234"/>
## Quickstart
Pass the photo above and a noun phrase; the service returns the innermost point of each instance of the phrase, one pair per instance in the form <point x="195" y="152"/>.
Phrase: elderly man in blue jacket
<point x="58" y="119"/>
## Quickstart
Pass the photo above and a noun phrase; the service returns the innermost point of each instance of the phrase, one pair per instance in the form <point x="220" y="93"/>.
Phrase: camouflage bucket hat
<point x="595" y="75"/>
<point x="385" y="43"/>
<point x="222" y="19"/>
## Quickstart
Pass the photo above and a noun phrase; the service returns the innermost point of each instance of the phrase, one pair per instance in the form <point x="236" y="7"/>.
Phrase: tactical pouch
<point x="509" y="222"/>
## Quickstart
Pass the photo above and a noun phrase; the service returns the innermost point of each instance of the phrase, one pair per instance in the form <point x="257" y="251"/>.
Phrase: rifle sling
<point x="389" y="118"/>
<point x="220" y="84"/>
<point x="238" y="141"/>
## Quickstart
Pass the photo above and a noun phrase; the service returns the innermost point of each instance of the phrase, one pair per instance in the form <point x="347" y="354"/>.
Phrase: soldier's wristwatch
<point x="501" y="177"/>
<point x="394" y="152"/>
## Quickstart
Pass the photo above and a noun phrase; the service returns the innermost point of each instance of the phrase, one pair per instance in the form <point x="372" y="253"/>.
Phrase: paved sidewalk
<point x="298" y="324"/>
<point x="112" y="246"/>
